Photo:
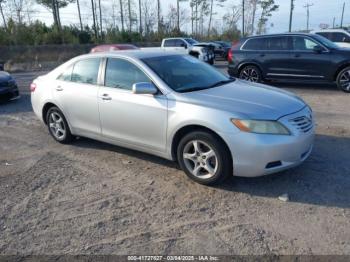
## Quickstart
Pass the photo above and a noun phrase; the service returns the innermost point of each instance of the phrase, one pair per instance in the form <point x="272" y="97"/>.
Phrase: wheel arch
<point x="250" y="63"/>
<point x="181" y="132"/>
<point x="340" y="68"/>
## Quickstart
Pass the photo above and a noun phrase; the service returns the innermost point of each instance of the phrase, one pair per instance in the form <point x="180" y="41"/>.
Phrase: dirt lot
<point x="94" y="198"/>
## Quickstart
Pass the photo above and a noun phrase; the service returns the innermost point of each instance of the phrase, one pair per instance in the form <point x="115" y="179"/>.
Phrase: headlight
<point x="261" y="127"/>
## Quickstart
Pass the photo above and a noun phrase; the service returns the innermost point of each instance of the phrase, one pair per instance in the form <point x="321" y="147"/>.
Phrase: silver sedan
<point x="179" y="108"/>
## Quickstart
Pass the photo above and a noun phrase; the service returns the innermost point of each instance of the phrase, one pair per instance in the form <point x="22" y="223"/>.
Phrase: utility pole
<point x="342" y="16"/>
<point x="291" y="15"/>
<point x="307" y="6"/>
<point x="243" y="29"/>
<point x="333" y="22"/>
<point x="99" y="7"/>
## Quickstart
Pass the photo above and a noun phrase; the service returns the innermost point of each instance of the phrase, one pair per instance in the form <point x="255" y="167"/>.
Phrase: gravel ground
<point x="95" y="198"/>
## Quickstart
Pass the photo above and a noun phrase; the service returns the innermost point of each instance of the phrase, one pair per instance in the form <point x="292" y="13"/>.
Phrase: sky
<point x="322" y="12"/>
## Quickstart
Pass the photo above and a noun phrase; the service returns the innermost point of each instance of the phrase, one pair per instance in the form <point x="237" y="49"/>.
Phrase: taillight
<point x="32" y="87"/>
<point x="229" y="56"/>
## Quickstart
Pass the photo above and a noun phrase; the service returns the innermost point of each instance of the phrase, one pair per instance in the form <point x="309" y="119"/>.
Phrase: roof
<point x="136" y="53"/>
<point x="281" y="34"/>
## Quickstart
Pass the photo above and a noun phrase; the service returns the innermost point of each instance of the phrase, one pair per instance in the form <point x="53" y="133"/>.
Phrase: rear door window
<point x="86" y="71"/>
<point x="278" y="43"/>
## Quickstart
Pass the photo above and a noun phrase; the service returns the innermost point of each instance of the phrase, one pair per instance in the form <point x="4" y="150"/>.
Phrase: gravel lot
<point x="95" y="198"/>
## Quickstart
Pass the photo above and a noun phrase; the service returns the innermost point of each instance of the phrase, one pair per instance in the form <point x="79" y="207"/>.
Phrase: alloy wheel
<point x="57" y="126"/>
<point x="200" y="159"/>
<point x="344" y="81"/>
<point x="250" y="74"/>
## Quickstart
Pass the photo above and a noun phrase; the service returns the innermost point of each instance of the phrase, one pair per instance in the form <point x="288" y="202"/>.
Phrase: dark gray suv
<point x="290" y="57"/>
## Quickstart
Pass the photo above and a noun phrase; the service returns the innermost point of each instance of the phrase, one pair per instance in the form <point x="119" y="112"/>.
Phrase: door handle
<point x="262" y="55"/>
<point x="106" y="97"/>
<point x="297" y="55"/>
<point x="59" y="88"/>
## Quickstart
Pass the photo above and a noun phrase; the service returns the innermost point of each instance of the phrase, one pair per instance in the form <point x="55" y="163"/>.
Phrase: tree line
<point x="102" y="21"/>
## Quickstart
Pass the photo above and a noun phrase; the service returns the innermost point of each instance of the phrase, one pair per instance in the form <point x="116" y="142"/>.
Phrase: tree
<point x="178" y="13"/>
<point x="121" y="14"/>
<point x="2" y="14"/>
<point x="211" y="12"/>
<point x="94" y="18"/>
<point x="267" y="6"/>
<point x="54" y="6"/>
<point x="130" y="17"/>
<point x="159" y="16"/>
<point x="79" y="13"/>
<point x="140" y="18"/>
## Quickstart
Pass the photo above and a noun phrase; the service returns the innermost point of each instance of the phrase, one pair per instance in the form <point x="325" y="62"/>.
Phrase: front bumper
<point x="262" y="154"/>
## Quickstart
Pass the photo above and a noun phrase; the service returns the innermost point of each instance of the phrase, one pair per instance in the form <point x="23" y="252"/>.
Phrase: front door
<point x="305" y="62"/>
<point x="130" y="118"/>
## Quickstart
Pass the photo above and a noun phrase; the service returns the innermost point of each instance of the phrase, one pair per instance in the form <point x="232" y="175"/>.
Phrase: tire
<point x="58" y="126"/>
<point x="343" y="80"/>
<point x="250" y="73"/>
<point x="209" y="165"/>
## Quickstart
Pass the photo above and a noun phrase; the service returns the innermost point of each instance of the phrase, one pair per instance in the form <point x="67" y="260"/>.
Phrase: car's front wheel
<point x="250" y="73"/>
<point x="58" y="126"/>
<point x="343" y="80"/>
<point x="204" y="157"/>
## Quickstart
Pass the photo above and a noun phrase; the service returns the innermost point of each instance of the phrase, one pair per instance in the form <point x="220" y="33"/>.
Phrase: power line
<point x="307" y="6"/>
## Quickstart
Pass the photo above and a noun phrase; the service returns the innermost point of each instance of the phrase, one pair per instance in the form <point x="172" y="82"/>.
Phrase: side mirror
<point x="144" y="88"/>
<point x="318" y="49"/>
<point x="1" y="67"/>
<point x="184" y="45"/>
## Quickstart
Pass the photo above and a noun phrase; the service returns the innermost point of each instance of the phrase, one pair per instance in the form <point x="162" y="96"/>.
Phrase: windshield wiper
<point x="197" y="88"/>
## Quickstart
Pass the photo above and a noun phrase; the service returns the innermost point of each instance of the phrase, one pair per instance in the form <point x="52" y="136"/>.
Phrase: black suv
<point x="290" y="57"/>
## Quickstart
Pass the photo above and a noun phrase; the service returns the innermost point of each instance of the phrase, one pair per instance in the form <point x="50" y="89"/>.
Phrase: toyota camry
<point x="179" y="108"/>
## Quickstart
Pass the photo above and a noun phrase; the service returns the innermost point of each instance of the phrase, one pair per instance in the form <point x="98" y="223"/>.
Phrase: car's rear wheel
<point x="250" y="73"/>
<point x="58" y="126"/>
<point x="204" y="157"/>
<point x="343" y="80"/>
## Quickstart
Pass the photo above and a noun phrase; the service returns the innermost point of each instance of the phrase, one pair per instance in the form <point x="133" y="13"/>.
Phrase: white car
<point x="188" y="46"/>
<point x="340" y="37"/>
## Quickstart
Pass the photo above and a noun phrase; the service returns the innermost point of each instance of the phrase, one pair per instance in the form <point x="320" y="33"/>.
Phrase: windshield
<point x="184" y="73"/>
<point x="191" y="41"/>
<point x="325" y="41"/>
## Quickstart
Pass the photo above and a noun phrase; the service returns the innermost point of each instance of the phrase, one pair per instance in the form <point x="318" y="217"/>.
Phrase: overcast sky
<point x="322" y="12"/>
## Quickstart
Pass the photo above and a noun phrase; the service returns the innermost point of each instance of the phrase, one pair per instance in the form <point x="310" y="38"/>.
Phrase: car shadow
<point x="23" y="104"/>
<point x="323" y="179"/>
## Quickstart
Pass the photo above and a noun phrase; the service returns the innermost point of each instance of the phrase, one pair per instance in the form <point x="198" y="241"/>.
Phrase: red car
<point x="112" y="47"/>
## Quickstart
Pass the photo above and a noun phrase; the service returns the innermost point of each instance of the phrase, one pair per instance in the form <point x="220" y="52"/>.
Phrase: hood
<point x="247" y="100"/>
<point x="4" y="76"/>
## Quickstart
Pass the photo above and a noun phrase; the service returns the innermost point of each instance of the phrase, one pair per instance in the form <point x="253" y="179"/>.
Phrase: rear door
<point x="272" y="54"/>
<point x="276" y="56"/>
<point x="75" y="93"/>
<point x="305" y="63"/>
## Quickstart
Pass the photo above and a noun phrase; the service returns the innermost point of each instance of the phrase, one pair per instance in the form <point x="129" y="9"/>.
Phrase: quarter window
<point x="339" y="37"/>
<point x="255" y="44"/>
<point x="86" y="71"/>
<point x="123" y="74"/>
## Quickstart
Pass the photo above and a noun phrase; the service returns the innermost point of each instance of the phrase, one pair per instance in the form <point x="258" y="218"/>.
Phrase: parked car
<point x="183" y="45"/>
<point x="339" y="36"/>
<point x="291" y="57"/>
<point x="112" y="47"/>
<point x="8" y="87"/>
<point x="225" y="47"/>
<point x="179" y="108"/>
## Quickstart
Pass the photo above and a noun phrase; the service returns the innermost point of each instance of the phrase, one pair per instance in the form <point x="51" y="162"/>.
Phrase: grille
<point x="302" y="123"/>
